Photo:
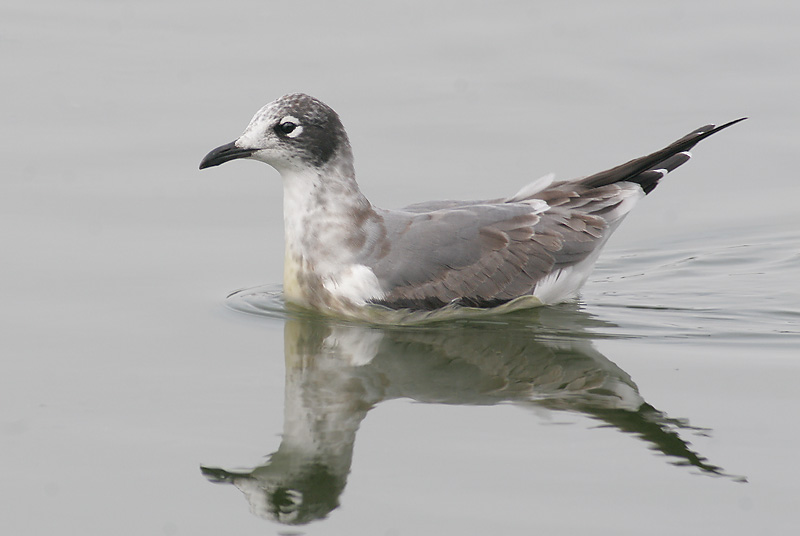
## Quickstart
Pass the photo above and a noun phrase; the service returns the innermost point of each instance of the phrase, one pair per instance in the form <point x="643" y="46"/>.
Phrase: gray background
<point x="122" y="370"/>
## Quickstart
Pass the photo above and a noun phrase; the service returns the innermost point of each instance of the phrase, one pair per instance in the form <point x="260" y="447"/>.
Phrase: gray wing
<point x="485" y="253"/>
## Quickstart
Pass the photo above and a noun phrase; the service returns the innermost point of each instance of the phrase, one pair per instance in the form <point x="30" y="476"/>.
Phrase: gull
<point x="342" y="253"/>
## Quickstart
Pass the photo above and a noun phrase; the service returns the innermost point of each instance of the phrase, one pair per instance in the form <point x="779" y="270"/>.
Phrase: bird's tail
<point x="646" y="171"/>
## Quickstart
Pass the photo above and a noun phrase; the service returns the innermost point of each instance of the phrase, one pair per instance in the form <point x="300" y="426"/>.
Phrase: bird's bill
<point x="225" y="153"/>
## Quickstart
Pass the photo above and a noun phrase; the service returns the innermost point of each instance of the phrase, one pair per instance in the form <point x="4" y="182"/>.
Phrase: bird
<point x="343" y="254"/>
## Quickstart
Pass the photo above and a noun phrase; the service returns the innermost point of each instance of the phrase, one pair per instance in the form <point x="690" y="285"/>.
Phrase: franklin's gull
<point x="342" y="253"/>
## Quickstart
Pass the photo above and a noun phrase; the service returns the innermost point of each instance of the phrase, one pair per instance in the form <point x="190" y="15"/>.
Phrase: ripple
<point x="264" y="300"/>
<point x="267" y="300"/>
<point x="565" y="321"/>
<point x="732" y="289"/>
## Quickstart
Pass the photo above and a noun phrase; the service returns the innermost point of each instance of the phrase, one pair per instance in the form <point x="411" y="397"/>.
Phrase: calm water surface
<point x="136" y="399"/>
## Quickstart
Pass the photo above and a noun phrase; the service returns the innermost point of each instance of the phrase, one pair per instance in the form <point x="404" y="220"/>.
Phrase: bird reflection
<point x="336" y="372"/>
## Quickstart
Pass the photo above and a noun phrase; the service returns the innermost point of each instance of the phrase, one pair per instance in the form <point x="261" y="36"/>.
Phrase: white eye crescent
<point x="290" y="126"/>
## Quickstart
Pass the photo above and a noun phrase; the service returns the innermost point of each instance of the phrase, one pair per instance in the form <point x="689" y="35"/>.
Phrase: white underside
<point x="564" y="284"/>
<point x="356" y="284"/>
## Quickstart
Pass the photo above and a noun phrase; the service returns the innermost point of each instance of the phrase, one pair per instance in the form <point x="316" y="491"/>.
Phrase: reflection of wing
<point x="486" y="364"/>
<point x="477" y="363"/>
<point x="660" y="431"/>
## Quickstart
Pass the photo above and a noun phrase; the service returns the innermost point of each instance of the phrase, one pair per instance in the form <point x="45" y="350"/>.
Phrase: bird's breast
<point x="292" y="288"/>
<point x="328" y="284"/>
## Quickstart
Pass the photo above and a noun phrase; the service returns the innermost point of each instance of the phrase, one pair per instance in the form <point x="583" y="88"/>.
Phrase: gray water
<point x="135" y="398"/>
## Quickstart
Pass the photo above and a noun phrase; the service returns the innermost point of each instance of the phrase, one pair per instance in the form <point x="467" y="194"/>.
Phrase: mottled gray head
<point x="293" y="132"/>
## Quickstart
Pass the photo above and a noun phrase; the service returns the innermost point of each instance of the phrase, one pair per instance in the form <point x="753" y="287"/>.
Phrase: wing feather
<point x="489" y="252"/>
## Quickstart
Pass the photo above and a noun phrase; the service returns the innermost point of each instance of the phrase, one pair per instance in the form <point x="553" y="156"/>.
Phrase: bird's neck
<point x="323" y="209"/>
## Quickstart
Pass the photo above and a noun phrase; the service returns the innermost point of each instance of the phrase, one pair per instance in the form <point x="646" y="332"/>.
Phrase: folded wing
<point x="542" y="241"/>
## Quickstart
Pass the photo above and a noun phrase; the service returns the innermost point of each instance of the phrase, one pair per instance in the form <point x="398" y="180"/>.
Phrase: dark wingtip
<point x="693" y="138"/>
<point x="666" y="157"/>
<point x="717" y="129"/>
<point x="729" y="123"/>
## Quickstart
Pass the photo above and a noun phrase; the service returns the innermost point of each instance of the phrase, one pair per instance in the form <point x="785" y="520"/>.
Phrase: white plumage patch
<point x="532" y="188"/>
<point x="356" y="283"/>
<point x="565" y="283"/>
<point x="537" y="205"/>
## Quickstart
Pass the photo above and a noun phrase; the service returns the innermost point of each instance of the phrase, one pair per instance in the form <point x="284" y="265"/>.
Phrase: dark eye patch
<point x="318" y="132"/>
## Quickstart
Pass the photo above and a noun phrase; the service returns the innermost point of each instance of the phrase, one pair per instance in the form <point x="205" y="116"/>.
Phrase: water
<point x="129" y="385"/>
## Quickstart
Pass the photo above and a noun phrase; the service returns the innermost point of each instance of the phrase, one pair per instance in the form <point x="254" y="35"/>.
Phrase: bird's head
<point x="294" y="132"/>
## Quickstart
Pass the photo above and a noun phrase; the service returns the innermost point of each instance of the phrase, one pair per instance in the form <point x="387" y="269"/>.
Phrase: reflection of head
<point x="306" y="495"/>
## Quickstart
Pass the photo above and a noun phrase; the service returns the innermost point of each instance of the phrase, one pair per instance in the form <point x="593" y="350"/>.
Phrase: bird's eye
<point x="287" y="128"/>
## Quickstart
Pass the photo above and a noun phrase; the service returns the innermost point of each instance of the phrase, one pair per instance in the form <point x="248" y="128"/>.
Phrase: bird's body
<point x="342" y="253"/>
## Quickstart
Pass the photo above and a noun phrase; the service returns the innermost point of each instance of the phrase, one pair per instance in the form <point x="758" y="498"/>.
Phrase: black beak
<point x="223" y="154"/>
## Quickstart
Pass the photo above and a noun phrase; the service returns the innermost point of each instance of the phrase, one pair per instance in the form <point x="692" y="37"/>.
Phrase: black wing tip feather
<point x="708" y="130"/>
<point x="687" y="142"/>
<point x="648" y="180"/>
<point x="648" y="170"/>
